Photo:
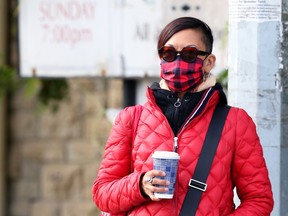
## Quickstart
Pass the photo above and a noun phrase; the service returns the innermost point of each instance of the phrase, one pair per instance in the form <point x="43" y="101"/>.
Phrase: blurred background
<point x="68" y="67"/>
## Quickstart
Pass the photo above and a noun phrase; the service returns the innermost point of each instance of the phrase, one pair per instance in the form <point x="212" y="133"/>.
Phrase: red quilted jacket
<point x="238" y="163"/>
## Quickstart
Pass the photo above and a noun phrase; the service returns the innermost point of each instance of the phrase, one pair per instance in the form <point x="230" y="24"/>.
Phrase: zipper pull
<point x="175" y="144"/>
<point x="177" y="103"/>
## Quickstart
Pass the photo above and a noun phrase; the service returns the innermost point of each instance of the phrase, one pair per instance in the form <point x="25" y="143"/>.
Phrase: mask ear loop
<point x="206" y="56"/>
<point x="205" y="75"/>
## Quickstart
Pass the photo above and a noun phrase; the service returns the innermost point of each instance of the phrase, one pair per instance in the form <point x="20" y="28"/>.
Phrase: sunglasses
<point x="187" y="54"/>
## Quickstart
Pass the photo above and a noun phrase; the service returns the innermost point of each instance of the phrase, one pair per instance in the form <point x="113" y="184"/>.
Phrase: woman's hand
<point x="149" y="181"/>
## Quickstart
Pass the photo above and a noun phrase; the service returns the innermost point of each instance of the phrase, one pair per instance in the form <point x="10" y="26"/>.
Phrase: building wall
<point x="54" y="157"/>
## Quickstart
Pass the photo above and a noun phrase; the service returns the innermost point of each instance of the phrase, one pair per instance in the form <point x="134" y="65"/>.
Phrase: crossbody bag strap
<point x="197" y="184"/>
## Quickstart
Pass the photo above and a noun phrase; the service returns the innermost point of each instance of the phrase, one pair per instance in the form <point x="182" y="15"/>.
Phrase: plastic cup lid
<point x="165" y="155"/>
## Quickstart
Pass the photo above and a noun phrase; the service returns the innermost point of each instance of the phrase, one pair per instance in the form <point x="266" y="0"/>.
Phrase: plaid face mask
<point x="182" y="76"/>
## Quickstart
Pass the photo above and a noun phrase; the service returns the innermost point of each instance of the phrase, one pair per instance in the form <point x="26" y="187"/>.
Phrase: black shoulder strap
<point x="197" y="184"/>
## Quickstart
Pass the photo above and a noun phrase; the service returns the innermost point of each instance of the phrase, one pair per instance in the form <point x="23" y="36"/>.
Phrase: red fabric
<point x="238" y="162"/>
<point x="182" y="76"/>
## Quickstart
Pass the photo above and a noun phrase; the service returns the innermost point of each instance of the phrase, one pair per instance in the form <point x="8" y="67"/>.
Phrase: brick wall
<point x="54" y="157"/>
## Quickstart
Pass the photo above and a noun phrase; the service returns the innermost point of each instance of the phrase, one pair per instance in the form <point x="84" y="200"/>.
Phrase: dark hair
<point x="183" y="23"/>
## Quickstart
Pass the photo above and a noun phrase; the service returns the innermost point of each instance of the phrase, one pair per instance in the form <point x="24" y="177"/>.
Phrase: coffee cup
<point x="167" y="162"/>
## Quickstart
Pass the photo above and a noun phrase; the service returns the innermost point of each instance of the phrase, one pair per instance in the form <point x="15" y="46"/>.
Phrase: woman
<point x="181" y="105"/>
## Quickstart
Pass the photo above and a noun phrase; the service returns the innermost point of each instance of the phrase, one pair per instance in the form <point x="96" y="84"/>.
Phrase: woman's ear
<point x="209" y="63"/>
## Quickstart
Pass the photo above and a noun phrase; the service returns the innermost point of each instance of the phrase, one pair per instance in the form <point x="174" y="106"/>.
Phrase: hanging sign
<point x="63" y="37"/>
<point x="254" y="10"/>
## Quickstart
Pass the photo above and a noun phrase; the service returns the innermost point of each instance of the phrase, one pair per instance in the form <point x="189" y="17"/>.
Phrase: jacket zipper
<point x="177" y="104"/>
<point x="175" y="144"/>
<point x="175" y="189"/>
<point x="175" y="147"/>
<point x="195" y="111"/>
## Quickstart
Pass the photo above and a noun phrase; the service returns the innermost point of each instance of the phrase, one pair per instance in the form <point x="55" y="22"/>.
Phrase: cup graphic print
<point x="167" y="162"/>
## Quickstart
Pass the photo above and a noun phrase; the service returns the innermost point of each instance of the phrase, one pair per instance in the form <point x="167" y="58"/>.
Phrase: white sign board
<point x="62" y="38"/>
<point x="113" y="38"/>
<point x="134" y="28"/>
<point x="254" y="10"/>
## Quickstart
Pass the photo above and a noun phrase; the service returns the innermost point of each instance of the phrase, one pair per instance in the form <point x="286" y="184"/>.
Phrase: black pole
<point x="129" y="92"/>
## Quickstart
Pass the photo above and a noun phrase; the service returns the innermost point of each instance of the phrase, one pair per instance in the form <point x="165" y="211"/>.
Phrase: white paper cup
<point x="167" y="162"/>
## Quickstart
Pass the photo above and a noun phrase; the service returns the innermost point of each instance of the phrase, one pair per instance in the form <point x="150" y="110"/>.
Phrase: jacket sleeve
<point x="116" y="189"/>
<point x="249" y="171"/>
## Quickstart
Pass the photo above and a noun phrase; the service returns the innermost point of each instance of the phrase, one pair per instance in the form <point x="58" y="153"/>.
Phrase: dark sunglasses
<point x="187" y="54"/>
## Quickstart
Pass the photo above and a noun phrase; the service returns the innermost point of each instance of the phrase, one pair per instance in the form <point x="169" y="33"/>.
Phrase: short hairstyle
<point x="183" y="23"/>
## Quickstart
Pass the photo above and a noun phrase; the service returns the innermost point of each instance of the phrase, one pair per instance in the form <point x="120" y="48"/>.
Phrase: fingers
<point x="159" y="182"/>
<point x="151" y="184"/>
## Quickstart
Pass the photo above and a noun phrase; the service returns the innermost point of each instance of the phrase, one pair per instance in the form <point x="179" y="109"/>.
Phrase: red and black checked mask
<point x="182" y="76"/>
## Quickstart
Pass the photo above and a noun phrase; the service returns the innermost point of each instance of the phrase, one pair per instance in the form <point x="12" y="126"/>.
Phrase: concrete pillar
<point x="283" y="187"/>
<point x="258" y="81"/>
<point x="3" y="42"/>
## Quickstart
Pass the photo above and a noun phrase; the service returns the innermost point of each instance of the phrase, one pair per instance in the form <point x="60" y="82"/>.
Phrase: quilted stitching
<point x="239" y="151"/>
